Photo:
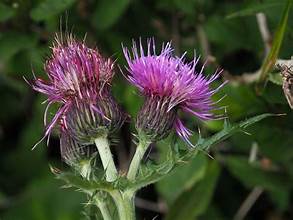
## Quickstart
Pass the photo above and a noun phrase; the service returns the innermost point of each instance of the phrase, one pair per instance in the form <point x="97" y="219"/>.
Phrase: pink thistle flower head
<point x="169" y="85"/>
<point x="80" y="80"/>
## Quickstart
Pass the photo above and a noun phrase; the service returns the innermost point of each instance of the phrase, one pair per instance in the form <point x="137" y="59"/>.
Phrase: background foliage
<point x="258" y="166"/>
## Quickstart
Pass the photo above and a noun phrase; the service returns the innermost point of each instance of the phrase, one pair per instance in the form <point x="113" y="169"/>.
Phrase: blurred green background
<point x="250" y="176"/>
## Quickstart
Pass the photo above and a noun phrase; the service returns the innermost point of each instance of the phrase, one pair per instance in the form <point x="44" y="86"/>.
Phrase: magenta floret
<point x="177" y="84"/>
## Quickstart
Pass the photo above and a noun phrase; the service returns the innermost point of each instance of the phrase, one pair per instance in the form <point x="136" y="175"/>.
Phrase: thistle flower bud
<point x="74" y="153"/>
<point x="169" y="85"/>
<point x="154" y="120"/>
<point x="85" y="122"/>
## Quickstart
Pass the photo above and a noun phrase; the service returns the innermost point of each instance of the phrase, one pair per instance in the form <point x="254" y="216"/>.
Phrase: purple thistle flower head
<point x="169" y="85"/>
<point x="74" y="71"/>
<point x="80" y="80"/>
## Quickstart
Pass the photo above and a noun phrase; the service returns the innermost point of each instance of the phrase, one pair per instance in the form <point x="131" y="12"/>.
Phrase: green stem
<point x="104" y="209"/>
<point x="102" y="144"/>
<point x="136" y="160"/>
<point x="85" y="172"/>
<point x="125" y="205"/>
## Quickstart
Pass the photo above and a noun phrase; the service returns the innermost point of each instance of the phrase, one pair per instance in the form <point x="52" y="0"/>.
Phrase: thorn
<point x="36" y="144"/>
<point x="226" y="118"/>
<point x="54" y="170"/>
<point x="281" y="114"/>
<point x="210" y="156"/>
<point x="66" y="186"/>
<point x="245" y="132"/>
<point x="26" y="81"/>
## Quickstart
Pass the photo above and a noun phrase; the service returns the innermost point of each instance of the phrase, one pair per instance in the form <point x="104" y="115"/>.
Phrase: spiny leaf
<point x="229" y="130"/>
<point x="153" y="173"/>
<point x="78" y="182"/>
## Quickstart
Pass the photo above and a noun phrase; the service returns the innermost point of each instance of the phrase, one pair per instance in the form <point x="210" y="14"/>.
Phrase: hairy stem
<point x="85" y="171"/>
<point x="136" y="160"/>
<point x="104" y="209"/>
<point x="102" y="144"/>
<point x="125" y="205"/>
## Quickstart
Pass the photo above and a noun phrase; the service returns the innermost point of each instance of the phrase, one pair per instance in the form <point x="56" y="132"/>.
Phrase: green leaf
<point x="75" y="180"/>
<point x="188" y="8"/>
<point x="253" y="175"/>
<point x="185" y="178"/>
<point x="229" y="130"/>
<point x="276" y="78"/>
<point x="277" y="42"/>
<point x="50" y="8"/>
<point x="12" y="42"/>
<point x="229" y="36"/>
<point x="254" y="8"/>
<point x="29" y="134"/>
<point x="6" y="12"/>
<point x="44" y="200"/>
<point x="274" y="94"/>
<point x="107" y="13"/>
<point x="281" y="197"/>
<point x="273" y="141"/>
<point x="196" y="200"/>
<point x="153" y="173"/>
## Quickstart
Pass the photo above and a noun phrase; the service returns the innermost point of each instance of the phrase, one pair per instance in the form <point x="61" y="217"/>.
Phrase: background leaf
<point x="107" y="13"/>
<point x="254" y="175"/>
<point x="277" y="42"/>
<point x="44" y="200"/>
<point x="255" y="7"/>
<point x="185" y="178"/>
<point x="50" y="8"/>
<point x="195" y="201"/>
<point x="276" y="78"/>
<point x="6" y="12"/>
<point x="11" y="43"/>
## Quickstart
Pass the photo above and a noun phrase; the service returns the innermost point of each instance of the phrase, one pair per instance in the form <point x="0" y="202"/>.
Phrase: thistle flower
<point x="80" y="79"/>
<point x="169" y="85"/>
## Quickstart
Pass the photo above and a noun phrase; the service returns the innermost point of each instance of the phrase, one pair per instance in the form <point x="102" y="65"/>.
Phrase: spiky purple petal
<point x="77" y="74"/>
<point x="173" y="80"/>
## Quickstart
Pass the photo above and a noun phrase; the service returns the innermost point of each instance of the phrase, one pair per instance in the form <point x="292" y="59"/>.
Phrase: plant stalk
<point x="104" y="209"/>
<point x="136" y="160"/>
<point x="103" y="147"/>
<point x="85" y="171"/>
<point x="125" y="205"/>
